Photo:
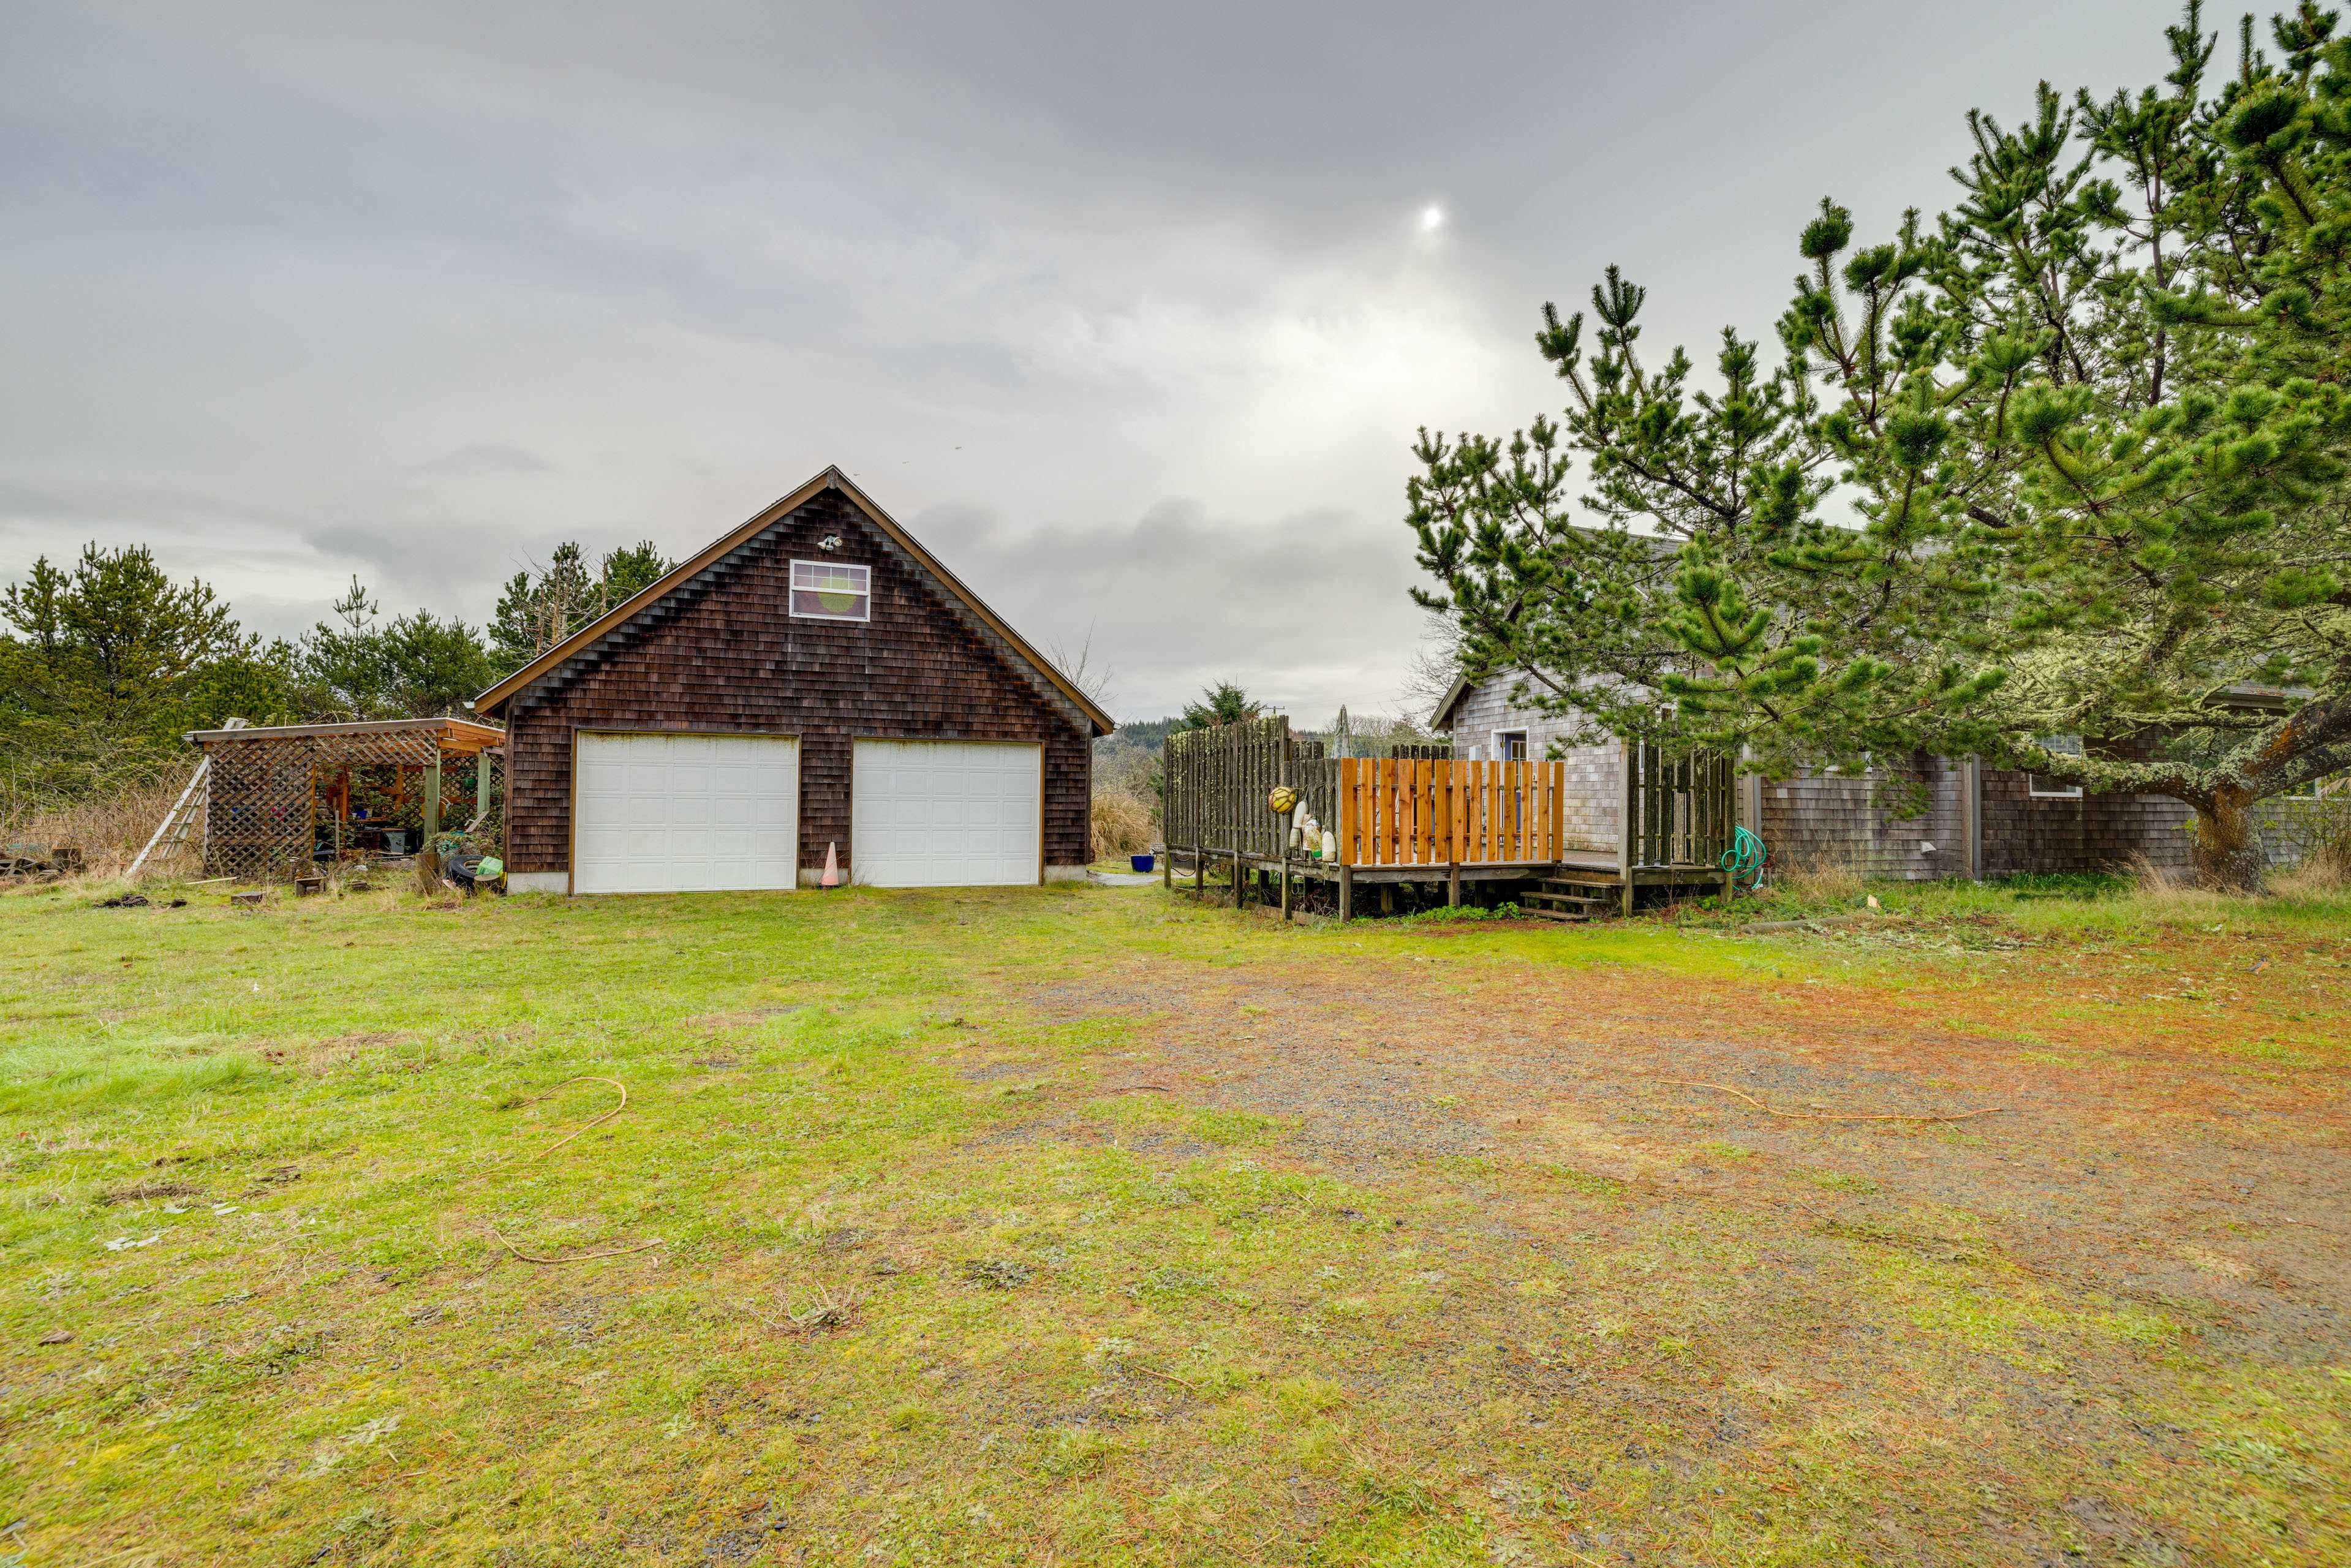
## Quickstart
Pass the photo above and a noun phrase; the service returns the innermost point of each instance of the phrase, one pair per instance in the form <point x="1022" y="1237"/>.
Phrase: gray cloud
<point x="1125" y="311"/>
<point x="485" y="460"/>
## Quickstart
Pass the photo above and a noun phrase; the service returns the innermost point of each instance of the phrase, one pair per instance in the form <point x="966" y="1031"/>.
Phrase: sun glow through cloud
<point x="1432" y="218"/>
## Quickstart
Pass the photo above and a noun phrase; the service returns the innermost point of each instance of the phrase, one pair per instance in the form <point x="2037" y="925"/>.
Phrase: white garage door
<point x="941" y="813"/>
<point x="684" y="813"/>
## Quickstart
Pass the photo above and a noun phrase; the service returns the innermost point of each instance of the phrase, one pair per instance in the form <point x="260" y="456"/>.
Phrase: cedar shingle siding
<point x="723" y="654"/>
<point x="1593" y="802"/>
<point x="1834" y="819"/>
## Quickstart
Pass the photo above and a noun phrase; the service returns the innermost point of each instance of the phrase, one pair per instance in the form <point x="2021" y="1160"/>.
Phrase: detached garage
<point x="815" y="680"/>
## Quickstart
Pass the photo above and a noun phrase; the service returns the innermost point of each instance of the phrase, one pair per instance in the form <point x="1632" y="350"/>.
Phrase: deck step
<point x="1564" y="916"/>
<point x="1566" y="900"/>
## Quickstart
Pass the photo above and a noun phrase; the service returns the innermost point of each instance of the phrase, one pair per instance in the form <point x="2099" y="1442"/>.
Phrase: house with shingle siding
<point x="1977" y="822"/>
<point x="812" y="686"/>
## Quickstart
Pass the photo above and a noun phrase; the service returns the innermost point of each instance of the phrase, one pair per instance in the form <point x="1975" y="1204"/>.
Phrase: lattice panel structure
<point x="489" y="832"/>
<point x="262" y="805"/>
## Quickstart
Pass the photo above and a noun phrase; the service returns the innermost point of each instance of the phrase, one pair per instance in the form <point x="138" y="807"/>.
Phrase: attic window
<point x="831" y="591"/>
<point x="2041" y="786"/>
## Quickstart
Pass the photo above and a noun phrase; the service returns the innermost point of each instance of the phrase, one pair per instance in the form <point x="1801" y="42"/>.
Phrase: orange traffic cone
<point x="831" y="863"/>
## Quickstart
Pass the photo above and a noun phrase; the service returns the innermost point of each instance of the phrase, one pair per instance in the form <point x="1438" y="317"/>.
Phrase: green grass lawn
<point x="1092" y="1226"/>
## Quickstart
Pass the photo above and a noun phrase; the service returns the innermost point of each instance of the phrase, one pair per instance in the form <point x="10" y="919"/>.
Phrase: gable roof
<point x="832" y="478"/>
<point x="1443" y="717"/>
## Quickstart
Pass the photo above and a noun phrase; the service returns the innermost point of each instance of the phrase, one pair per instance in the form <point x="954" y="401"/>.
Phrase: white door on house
<point x="947" y="813"/>
<point x="684" y="813"/>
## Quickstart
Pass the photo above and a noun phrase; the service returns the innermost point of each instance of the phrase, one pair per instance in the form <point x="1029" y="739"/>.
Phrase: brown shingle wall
<point x="1836" y="820"/>
<point x="2094" y="834"/>
<point x="723" y="654"/>
<point x="1832" y="819"/>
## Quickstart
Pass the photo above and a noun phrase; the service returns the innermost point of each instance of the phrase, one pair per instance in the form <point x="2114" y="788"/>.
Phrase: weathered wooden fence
<point x="1677" y="811"/>
<point x="1214" y="784"/>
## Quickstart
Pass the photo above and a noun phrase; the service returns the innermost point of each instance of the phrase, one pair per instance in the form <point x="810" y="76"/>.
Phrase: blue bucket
<point x="1142" y="863"/>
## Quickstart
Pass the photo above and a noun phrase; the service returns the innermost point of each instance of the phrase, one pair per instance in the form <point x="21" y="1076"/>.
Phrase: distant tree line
<point x="105" y="662"/>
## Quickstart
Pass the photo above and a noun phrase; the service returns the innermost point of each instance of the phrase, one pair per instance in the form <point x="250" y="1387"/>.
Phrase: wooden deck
<point x="1425" y="821"/>
<point x="1576" y="886"/>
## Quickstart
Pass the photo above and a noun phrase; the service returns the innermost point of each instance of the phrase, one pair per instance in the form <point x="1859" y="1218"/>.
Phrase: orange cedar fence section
<point x="1396" y="811"/>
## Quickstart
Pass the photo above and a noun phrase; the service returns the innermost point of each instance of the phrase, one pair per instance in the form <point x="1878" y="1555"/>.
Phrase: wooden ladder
<point x="174" y="830"/>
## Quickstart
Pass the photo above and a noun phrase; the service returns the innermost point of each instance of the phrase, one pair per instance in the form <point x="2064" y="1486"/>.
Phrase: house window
<point x="2325" y="789"/>
<point x="2040" y="786"/>
<point x="831" y="591"/>
<point x="1511" y="745"/>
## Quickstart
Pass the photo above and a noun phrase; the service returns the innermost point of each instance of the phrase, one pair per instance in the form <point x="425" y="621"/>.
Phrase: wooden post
<point x="1283" y="823"/>
<point x="432" y="798"/>
<point x="1346" y="891"/>
<point x="1628" y="825"/>
<point x="1195" y="769"/>
<point x="1453" y="885"/>
<point x="1453" y="811"/>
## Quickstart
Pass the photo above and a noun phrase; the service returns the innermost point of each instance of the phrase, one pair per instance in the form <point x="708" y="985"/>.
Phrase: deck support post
<point x="1346" y="893"/>
<point x="1240" y="882"/>
<point x="1628" y="819"/>
<point x="432" y="798"/>
<point x="1453" y="885"/>
<point x="1284" y="821"/>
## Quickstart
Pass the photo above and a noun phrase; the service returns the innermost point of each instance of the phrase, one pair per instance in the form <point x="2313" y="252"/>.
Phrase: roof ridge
<point x="829" y="477"/>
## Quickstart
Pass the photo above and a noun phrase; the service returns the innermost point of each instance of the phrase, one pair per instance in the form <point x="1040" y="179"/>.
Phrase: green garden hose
<point x="1744" y="860"/>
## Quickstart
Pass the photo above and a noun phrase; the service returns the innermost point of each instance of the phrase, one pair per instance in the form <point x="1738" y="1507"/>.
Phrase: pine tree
<point x="537" y="611"/>
<point x="116" y="639"/>
<point x="1224" y="703"/>
<point x="107" y="664"/>
<point x="2070" y="461"/>
<point x="415" y="665"/>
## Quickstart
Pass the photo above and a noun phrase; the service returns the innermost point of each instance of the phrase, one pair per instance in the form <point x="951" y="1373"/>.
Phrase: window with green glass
<point x="831" y="591"/>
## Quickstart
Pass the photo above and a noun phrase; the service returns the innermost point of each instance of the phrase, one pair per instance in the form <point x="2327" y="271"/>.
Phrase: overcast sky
<point x="1129" y="313"/>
